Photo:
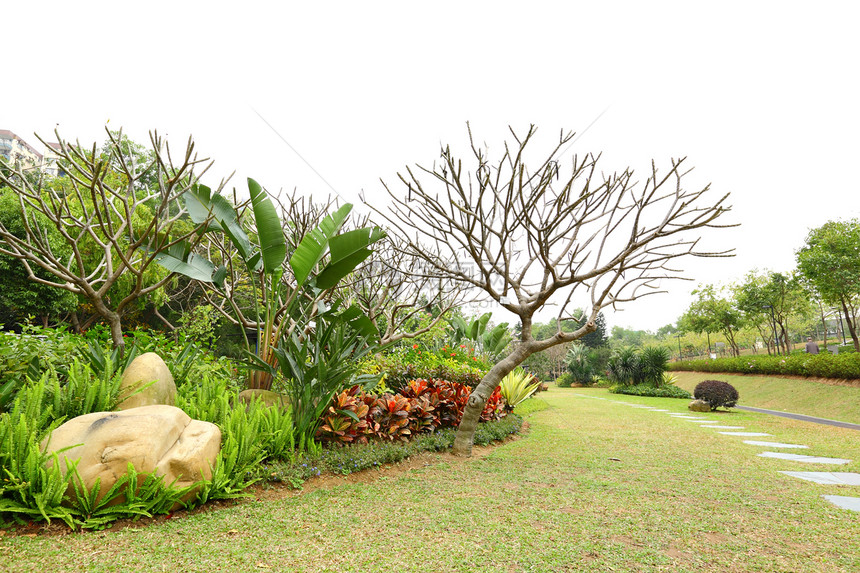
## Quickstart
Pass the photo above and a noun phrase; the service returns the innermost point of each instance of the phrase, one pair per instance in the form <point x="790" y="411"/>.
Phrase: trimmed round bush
<point x="716" y="393"/>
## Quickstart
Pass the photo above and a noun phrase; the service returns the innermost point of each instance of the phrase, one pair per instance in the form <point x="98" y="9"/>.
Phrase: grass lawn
<point x="786" y="394"/>
<point x="594" y="486"/>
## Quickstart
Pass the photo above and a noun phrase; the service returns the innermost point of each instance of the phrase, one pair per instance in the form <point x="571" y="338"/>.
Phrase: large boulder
<point x="160" y="439"/>
<point x="147" y="371"/>
<point x="699" y="406"/>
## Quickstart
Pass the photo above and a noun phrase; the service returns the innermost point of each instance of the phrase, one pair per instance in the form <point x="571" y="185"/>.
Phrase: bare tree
<point x="394" y="291"/>
<point x="117" y="213"/>
<point x="528" y="238"/>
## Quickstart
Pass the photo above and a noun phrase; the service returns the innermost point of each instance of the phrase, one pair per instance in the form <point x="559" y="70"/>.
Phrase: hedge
<point x="823" y="365"/>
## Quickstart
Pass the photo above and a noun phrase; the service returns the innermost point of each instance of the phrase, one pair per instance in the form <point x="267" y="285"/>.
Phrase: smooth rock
<point x="147" y="371"/>
<point x="699" y="406"/>
<point x="159" y="439"/>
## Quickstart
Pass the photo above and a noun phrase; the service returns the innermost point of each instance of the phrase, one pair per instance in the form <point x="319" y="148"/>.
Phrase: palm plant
<point x="654" y="361"/>
<point x="625" y="367"/>
<point x="580" y="364"/>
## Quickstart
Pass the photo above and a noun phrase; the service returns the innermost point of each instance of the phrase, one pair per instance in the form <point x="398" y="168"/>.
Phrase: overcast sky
<point x="762" y="97"/>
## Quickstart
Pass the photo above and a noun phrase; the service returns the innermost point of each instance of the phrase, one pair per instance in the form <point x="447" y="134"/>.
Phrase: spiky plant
<point x="517" y="386"/>
<point x="654" y="361"/>
<point x="625" y="367"/>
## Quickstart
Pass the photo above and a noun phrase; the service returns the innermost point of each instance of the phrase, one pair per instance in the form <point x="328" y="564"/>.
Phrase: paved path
<point x="802" y="417"/>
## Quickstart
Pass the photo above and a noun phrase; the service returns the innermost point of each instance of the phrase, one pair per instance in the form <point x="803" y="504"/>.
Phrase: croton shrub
<point x="421" y="406"/>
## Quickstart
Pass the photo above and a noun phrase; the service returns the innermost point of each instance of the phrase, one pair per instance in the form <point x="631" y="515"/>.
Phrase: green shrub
<point x="357" y="457"/>
<point x="824" y="365"/>
<point x="32" y="490"/>
<point x="651" y="391"/>
<point x="565" y="380"/>
<point x="716" y="393"/>
<point x="580" y="363"/>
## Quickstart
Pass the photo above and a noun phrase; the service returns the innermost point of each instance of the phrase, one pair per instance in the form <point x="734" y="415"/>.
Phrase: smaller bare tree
<point x="394" y="291"/>
<point x="528" y="238"/>
<point x="117" y="217"/>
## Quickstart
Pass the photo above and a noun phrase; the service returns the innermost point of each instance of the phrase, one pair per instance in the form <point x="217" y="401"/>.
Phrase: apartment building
<point x="19" y="153"/>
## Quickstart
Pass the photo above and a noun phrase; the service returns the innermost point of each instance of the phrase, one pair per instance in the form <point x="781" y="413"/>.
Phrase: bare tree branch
<point x="528" y="238"/>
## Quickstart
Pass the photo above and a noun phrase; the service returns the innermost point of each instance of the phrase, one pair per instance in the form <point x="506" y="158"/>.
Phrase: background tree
<point x="116" y="217"/>
<point x="830" y="261"/>
<point x="712" y="313"/>
<point x="20" y="297"/>
<point x="622" y="337"/>
<point x="597" y="338"/>
<point x="526" y="237"/>
<point x="774" y="298"/>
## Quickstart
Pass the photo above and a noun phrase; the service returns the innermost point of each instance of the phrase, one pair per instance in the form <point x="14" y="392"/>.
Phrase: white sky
<point x="762" y="97"/>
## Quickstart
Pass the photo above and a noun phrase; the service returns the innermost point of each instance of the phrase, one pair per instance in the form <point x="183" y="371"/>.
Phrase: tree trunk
<point x="116" y="332"/>
<point x="785" y="340"/>
<point x="113" y="320"/>
<point x="823" y="323"/>
<point x="465" y="437"/>
<point x="76" y="324"/>
<point x="852" y="326"/>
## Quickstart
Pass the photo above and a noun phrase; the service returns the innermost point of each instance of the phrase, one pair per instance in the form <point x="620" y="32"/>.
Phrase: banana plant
<point x="288" y="294"/>
<point x="491" y="343"/>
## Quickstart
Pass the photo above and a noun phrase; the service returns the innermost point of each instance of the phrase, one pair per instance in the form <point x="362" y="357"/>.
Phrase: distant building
<point x="21" y="154"/>
<point x="50" y="161"/>
<point x="18" y="152"/>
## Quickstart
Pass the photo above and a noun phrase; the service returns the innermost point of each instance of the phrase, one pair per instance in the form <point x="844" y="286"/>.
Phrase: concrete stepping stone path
<point x="827" y="478"/>
<point x="804" y="459"/>
<point x="851" y="503"/>
<point x="773" y="444"/>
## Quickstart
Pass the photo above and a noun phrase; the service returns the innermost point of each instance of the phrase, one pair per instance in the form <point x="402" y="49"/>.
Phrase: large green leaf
<point x="192" y="266"/>
<point x="347" y="251"/>
<point x="202" y="205"/>
<point x="359" y="321"/>
<point x="346" y="244"/>
<point x="333" y="272"/>
<point x="313" y="246"/>
<point x="271" y="236"/>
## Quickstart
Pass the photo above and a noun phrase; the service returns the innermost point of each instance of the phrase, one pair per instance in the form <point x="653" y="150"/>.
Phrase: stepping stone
<point x="699" y="420"/>
<point x="805" y="459"/>
<point x="660" y="410"/>
<point x="749" y="434"/>
<point x="724" y="427"/>
<point x="773" y="444"/>
<point x="685" y="416"/>
<point x="829" y="478"/>
<point x="852" y="503"/>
